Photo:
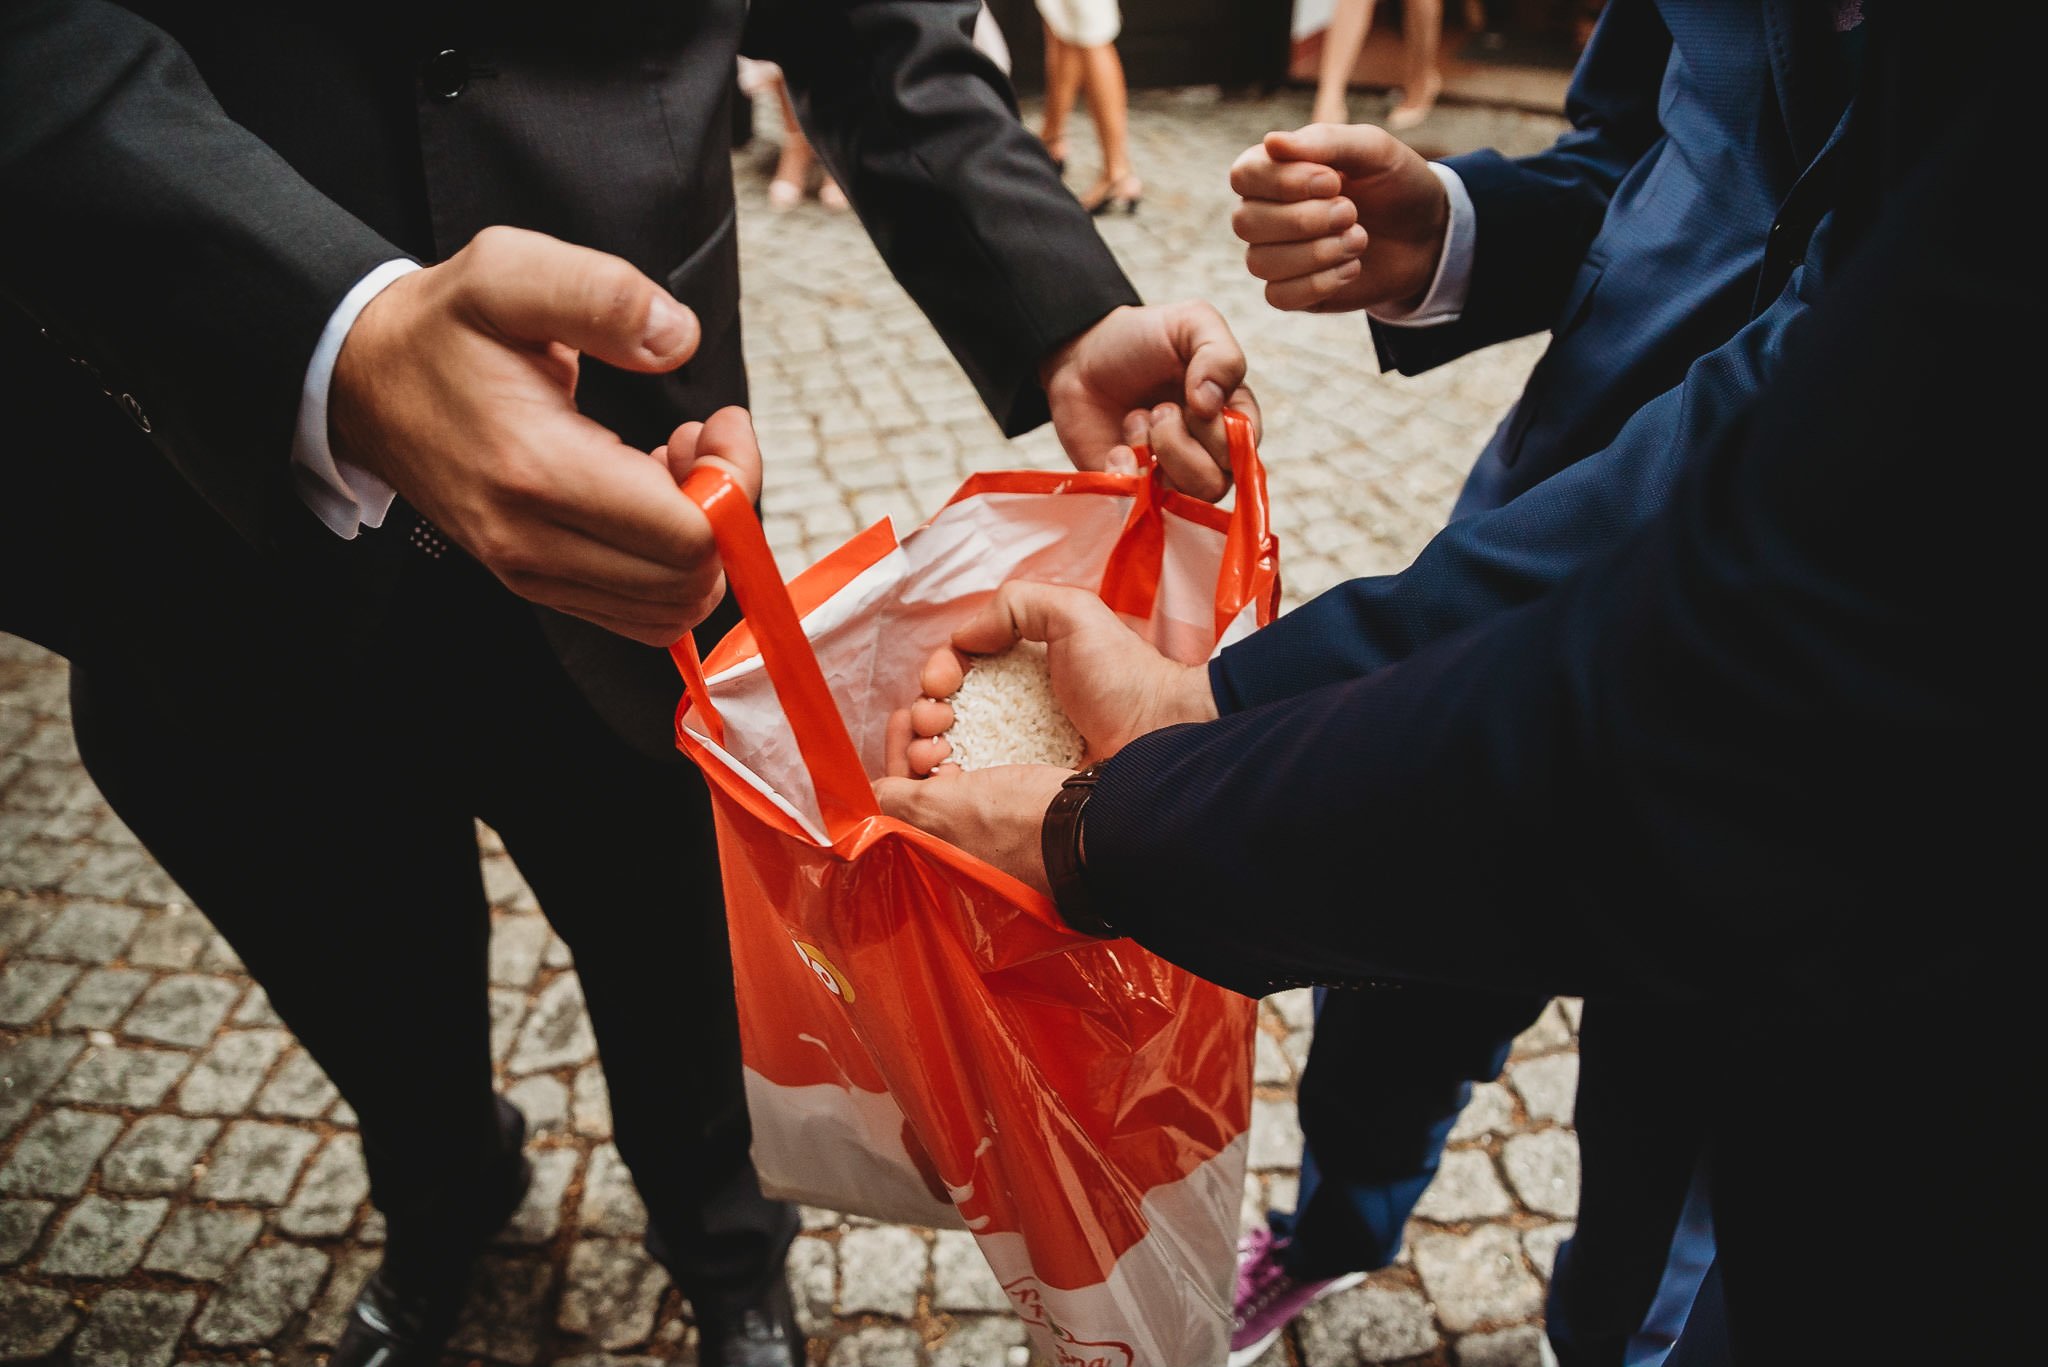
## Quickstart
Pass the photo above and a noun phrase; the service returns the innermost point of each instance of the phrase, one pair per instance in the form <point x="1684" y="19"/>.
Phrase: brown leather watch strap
<point x="1059" y="842"/>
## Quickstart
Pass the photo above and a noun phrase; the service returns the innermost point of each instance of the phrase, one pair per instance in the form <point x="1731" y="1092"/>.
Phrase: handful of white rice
<point x="1005" y="713"/>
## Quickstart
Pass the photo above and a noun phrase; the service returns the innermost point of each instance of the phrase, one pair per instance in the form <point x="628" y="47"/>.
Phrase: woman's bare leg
<point x="1422" y="27"/>
<point x="1109" y="107"/>
<point x="1062" y="86"/>
<point x="1341" y="43"/>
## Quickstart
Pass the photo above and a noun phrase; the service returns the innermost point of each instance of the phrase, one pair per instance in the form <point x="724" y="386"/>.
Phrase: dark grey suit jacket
<point x="187" y="189"/>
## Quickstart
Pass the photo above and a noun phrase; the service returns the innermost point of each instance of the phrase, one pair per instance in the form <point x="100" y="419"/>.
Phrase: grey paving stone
<point x="38" y="865"/>
<point x="1269" y="1061"/>
<point x="297" y="1089"/>
<point x="1573" y="1008"/>
<point x="982" y="1341"/>
<point x="101" y="998"/>
<point x="1548" y="1085"/>
<point x="56" y="1154"/>
<point x="517" y="943"/>
<point x="87" y="932"/>
<point x="610" y="1204"/>
<point x="29" y="1068"/>
<point x="1276" y="1134"/>
<point x="1542" y="1243"/>
<point x="200" y="1244"/>
<point x="334" y="1188"/>
<point x="1478" y="1277"/>
<point x="156" y="1155"/>
<point x="813" y="1272"/>
<point x="19" y="921"/>
<point x="1521" y="1346"/>
<point x="1490" y="1111"/>
<point x="28" y="988"/>
<point x="255" y="1009"/>
<point x="504" y="886"/>
<point x="1549" y="1031"/>
<point x="557" y="955"/>
<point x="173" y="938"/>
<point x="961" y="1279"/>
<point x="1466" y="1188"/>
<point x="506" y="1317"/>
<point x="219" y="957"/>
<point x="878" y="1345"/>
<point x="114" y="1076"/>
<point x="508" y="1008"/>
<point x="261" y="1295"/>
<point x="352" y="1267"/>
<point x="119" y="873"/>
<point x="590" y="1106"/>
<point x="881" y="1270"/>
<point x="256" y="1163"/>
<point x="556" y="1033"/>
<point x="33" y="1321"/>
<point x="102" y="1238"/>
<point x="612" y="1292"/>
<point x="134" y="1329"/>
<point x="185" y="1008"/>
<point x="1544" y="1169"/>
<point x="544" y="1102"/>
<point x="539" y="1216"/>
<point x="227" y="1074"/>
<point x="1366" y="1324"/>
<point x="21" y="1224"/>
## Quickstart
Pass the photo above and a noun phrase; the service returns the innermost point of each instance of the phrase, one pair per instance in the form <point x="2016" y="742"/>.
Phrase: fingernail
<point x="1340" y="216"/>
<point x="1349" y="269"/>
<point x="669" y="327"/>
<point x="1212" y="393"/>
<point x="1354" y="238"/>
<point x="1162" y="413"/>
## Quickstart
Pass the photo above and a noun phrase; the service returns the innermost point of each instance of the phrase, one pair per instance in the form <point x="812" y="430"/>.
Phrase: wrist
<point x="1063" y="848"/>
<point x="1056" y="363"/>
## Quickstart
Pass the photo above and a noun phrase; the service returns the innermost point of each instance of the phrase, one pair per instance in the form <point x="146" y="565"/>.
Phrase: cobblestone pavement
<point x="178" y="1182"/>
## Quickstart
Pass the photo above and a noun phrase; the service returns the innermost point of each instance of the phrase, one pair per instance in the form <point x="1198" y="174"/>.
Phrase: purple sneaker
<point x="1268" y="1297"/>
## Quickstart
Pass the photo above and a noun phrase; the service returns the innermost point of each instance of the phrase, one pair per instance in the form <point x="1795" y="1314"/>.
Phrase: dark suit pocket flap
<point x="708" y="280"/>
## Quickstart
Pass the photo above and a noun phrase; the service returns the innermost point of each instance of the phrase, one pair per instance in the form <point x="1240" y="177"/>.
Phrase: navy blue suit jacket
<point x="1667" y="241"/>
<point x="1765" y="761"/>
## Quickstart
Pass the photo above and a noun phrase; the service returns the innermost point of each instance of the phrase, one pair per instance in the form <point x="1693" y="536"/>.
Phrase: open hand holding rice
<point x="1005" y="713"/>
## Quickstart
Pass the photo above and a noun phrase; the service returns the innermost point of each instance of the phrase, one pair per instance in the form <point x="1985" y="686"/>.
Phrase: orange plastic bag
<point x="925" y="1041"/>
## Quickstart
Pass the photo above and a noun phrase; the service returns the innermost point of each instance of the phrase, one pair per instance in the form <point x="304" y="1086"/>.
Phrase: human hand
<point x="1158" y="374"/>
<point x="456" y="386"/>
<point x="1339" y="217"/>
<point x="1110" y="682"/>
<point x="994" y="814"/>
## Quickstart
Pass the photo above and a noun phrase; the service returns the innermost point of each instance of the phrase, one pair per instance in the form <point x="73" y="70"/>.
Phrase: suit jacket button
<point x="445" y="75"/>
<point x="133" y="408"/>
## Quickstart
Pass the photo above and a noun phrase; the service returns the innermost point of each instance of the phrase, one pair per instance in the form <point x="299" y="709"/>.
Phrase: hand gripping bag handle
<point x="1131" y="579"/>
<point x="844" y="797"/>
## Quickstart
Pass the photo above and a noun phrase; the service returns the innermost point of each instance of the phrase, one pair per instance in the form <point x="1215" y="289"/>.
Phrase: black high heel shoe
<point x="1119" y="196"/>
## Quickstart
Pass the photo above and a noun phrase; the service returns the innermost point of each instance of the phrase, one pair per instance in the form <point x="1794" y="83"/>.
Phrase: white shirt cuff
<point x="1445" y="302"/>
<point x="346" y="497"/>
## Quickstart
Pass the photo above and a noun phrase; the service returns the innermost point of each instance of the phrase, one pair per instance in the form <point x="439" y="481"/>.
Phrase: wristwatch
<point x="1059" y="842"/>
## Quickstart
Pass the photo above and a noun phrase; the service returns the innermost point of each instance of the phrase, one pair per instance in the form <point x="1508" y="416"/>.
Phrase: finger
<point x="586" y="479"/>
<point x="534" y="288"/>
<point x="1357" y="151"/>
<point x="896" y="743"/>
<point x="930" y="717"/>
<point x="727" y="441"/>
<point x="943" y="673"/>
<point x="1287" y="260"/>
<point x="544" y="552"/>
<point x="898" y="796"/>
<point x="1247" y="403"/>
<point x="1309" y="290"/>
<point x="1137" y="427"/>
<point x="1256" y="174"/>
<point x="1260" y="221"/>
<point x="1215" y="362"/>
<point x="1189" y="464"/>
<point x="1031" y="612"/>
<point x="928" y="753"/>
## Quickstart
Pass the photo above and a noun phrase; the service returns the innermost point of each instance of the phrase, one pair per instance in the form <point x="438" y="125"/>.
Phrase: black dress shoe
<point x="405" y="1319"/>
<point x="749" y="1329"/>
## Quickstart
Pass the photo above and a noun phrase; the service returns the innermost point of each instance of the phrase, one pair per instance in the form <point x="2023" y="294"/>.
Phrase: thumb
<point x="726" y="441"/>
<point x="1023" y="612"/>
<point x="534" y="288"/>
<point x="1356" y="150"/>
<point x="1215" y="362"/>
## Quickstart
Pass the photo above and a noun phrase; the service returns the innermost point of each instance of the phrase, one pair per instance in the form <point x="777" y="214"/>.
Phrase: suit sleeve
<point x="1756" y="746"/>
<point x="922" y="132"/>
<point x="167" y="247"/>
<point x="1538" y="215"/>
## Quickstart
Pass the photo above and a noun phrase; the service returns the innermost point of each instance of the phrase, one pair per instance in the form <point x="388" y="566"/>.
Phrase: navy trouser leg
<point x="1389" y="1071"/>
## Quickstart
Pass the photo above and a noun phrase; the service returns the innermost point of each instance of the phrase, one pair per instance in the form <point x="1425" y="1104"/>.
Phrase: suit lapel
<point x="1796" y="38"/>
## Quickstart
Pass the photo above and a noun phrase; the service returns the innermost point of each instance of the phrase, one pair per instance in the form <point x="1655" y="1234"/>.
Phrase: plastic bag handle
<point x="844" y="797"/>
<point x="1132" y="575"/>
